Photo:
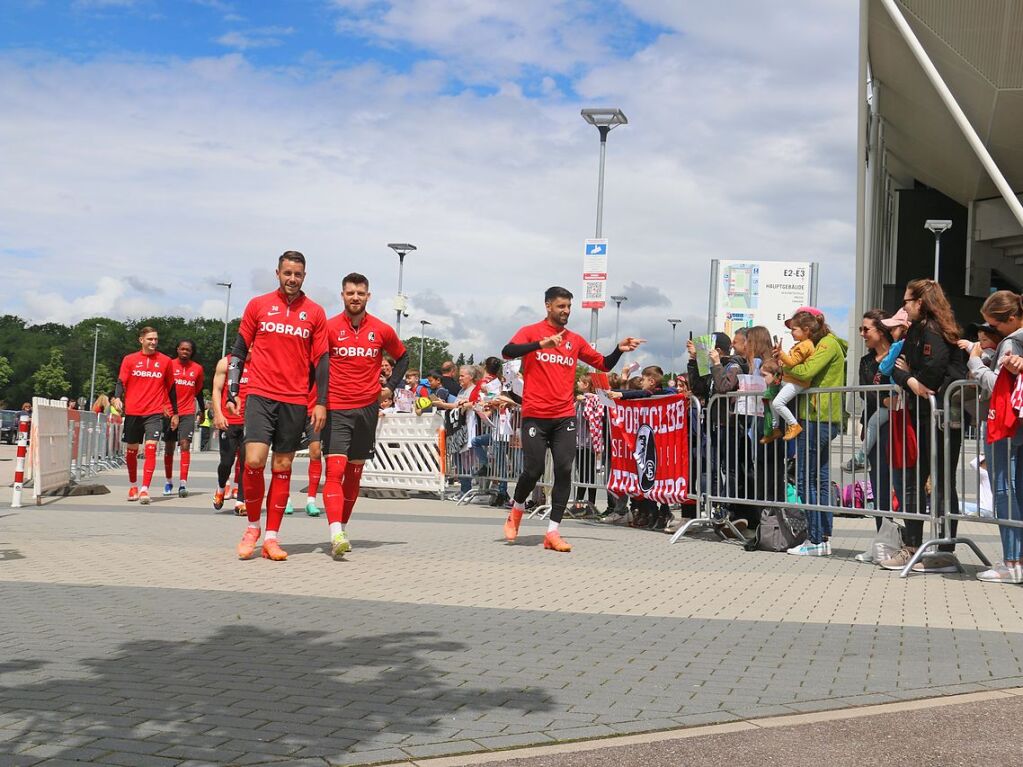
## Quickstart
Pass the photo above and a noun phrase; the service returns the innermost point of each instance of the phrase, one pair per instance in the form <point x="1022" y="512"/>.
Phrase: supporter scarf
<point x="1002" y="417"/>
<point x="650" y="448"/>
<point x="902" y="445"/>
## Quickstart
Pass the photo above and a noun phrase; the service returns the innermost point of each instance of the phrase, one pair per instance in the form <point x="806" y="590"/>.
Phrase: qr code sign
<point x="594" y="290"/>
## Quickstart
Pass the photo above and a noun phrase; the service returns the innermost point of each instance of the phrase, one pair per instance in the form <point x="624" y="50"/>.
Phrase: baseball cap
<point x="808" y="309"/>
<point x="899" y="319"/>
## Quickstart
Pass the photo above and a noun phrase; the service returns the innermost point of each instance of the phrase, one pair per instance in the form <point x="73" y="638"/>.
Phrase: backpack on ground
<point x="780" y="529"/>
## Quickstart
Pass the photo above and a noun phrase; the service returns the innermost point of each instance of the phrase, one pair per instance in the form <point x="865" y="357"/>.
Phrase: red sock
<point x="333" y="495"/>
<point x="353" y="476"/>
<point x="186" y="460"/>
<point x="280" y="488"/>
<point x="254" y="490"/>
<point x="168" y="464"/>
<point x="131" y="457"/>
<point x="149" y="466"/>
<point x="315" y="470"/>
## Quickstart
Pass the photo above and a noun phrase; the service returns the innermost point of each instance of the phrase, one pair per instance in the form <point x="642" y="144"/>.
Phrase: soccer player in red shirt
<point x="187" y="375"/>
<point x="357" y="341"/>
<point x="145" y="394"/>
<point x="550" y="353"/>
<point x="286" y="331"/>
<point x="232" y="433"/>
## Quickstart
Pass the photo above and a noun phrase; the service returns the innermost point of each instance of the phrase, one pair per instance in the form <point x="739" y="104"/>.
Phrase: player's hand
<point x="174" y="422"/>
<point x="550" y="342"/>
<point x="319" y="417"/>
<point x="232" y="406"/>
<point x="630" y="344"/>
<point x="220" y="422"/>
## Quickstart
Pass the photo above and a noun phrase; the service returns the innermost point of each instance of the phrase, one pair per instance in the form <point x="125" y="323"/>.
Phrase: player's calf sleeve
<point x="131" y="459"/>
<point x="254" y="491"/>
<point x="315" y="470"/>
<point x="350" y="488"/>
<point x="168" y="464"/>
<point x="333" y="494"/>
<point x="280" y="488"/>
<point x="149" y="466"/>
<point x="186" y="460"/>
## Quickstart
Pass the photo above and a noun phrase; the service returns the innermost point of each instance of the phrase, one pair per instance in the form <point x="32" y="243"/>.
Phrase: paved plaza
<point x="133" y="636"/>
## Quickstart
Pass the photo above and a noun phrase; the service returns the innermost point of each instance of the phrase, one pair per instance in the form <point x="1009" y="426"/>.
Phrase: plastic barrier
<point x="51" y="446"/>
<point x="407" y="454"/>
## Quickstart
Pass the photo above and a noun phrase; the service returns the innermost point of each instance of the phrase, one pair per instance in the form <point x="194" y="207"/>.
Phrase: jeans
<point x="1006" y="472"/>
<point x="813" y="454"/>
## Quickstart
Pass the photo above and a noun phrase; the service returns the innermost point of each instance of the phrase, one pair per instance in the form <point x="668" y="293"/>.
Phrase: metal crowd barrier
<point x="95" y="440"/>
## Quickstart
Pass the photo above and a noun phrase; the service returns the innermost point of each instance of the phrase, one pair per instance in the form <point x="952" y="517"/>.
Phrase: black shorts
<point x="185" y="430"/>
<point x="352" y="433"/>
<point x="309" y="435"/>
<point x="142" y="428"/>
<point x="278" y="424"/>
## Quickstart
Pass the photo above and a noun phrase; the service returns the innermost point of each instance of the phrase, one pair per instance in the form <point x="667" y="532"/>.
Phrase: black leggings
<point x="539" y="435"/>
<point x="230" y="444"/>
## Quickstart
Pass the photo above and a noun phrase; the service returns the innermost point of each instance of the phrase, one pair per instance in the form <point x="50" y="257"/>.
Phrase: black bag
<point x="779" y="530"/>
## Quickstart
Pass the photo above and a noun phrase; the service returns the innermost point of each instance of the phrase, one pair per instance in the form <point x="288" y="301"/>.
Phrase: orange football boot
<point x="272" y="550"/>
<point x="144" y="497"/>
<point x="218" y="500"/>
<point x="247" y="545"/>
<point x="239" y="509"/>
<point x="511" y="525"/>
<point x="555" y="542"/>
<point x="133" y="493"/>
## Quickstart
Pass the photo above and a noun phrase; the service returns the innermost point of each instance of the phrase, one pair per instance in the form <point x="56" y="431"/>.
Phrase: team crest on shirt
<point x="191" y="374"/>
<point x="568" y="345"/>
<point x="156" y="364"/>
<point x="372" y="336"/>
<point x="302" y="316"/>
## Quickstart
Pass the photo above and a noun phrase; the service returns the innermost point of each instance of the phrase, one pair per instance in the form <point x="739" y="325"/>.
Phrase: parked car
<point x="9" y="426"/>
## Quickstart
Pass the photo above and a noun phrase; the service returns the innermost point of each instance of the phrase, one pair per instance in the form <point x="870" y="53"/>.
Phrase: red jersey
<point x="243" y="385"/>
<point x="548" y="386"/>
<point x="285" y="339"/>
<point x="355" y="358"/>
<point x="146" y="379"/>
<point x="188" y="379"/>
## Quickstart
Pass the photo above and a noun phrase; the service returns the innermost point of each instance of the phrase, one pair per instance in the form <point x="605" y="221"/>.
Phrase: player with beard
<point x="286" y="331"/>
<point x="188" y="382"/>
<point x="357" y="341"/>
<point x="550" y="353"/>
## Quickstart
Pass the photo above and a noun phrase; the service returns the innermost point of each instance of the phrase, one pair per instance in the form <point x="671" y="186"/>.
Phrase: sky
<point x="153" y="148"/>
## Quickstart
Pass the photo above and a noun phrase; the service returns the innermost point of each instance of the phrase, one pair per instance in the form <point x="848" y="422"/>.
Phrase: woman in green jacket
<point x="820" y="415"/>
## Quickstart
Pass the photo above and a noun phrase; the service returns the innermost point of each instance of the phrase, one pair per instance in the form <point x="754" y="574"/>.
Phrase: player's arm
<point x="397" y="350"/>
<point x="200" y="400"/>
<point x="219" y="379"/>
<point x="398" y="373"/>
<point x="606" y="362"/>
<point x="171" y="402"/>
<point x="120" y="387"/>
<point x="240" y="353"/>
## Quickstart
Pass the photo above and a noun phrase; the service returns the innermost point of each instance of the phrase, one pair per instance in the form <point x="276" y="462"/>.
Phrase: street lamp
<point x="937" y="226"/>
<point x="92" y="386"/>
<point x="422" y="343"/>
<point x="227" y="316"/>
<point x="604" y="120"/>
<point x="674" y="324"/>
<point x="618" y="310"/>
<point x="401" y="248"/>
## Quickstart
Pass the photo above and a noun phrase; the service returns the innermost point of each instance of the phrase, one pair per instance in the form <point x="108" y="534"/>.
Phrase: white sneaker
<point x="866" y="557"/>
<point x="1001" y="573"/>
<point x="827" y="548"/>
<point x="807" y="549"/>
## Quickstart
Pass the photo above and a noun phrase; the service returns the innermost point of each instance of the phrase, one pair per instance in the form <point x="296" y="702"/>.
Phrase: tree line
<point x="54" y="360"/>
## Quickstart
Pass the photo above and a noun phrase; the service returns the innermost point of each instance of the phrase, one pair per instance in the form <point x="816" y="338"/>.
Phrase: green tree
<point x="104" y="380"/>
<point x="50" y="380"/>
<point x="6" y="371"/>
<point x="461" y="359"/>
<point x="470" y="361"/>
<point x="435" y="352"/>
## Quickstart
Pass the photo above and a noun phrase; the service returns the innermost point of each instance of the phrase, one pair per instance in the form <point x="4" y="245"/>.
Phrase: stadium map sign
<point x="747" y="293"/>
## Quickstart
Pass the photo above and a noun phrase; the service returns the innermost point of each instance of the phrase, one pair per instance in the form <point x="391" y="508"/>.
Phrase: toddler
<point x="770" y="371"/>
<point x="802" y="327"/>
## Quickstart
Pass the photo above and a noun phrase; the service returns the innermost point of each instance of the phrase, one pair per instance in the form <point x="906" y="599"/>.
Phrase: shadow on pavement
<point x="248" y="690"/>
<point x="324" y="548"/>
<point x="9" y="554"/>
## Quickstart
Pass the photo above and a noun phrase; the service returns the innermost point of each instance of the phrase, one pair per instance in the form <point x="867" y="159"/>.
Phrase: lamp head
<point x="401" y="248"/>
<point x="937" y="225"/>
<point x="605" y="117"/>
<point x="619" y="299"/>
<point x="675" y="322"/>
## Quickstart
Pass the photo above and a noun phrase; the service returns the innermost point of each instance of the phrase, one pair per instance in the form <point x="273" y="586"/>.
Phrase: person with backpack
<point x="930" y="361"/>
<point x="1003" y="311"/>
<point x="820" y="416"/>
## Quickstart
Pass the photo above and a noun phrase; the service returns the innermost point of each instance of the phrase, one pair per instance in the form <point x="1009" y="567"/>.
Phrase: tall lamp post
<point x="227" y="316"/>
<point x="402" y="249"/>
<point x="604" y="120"/>
<point x="92" y="386"/>
<point x="937" y="226"/>
<point x="674" y="324"/>
<point x="619" y="300"/>
<point x="422" y="344"/>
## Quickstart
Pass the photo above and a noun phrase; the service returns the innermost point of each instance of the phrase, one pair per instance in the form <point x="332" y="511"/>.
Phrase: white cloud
<point x="170" y="171"/>
<point x="261" y="37"/>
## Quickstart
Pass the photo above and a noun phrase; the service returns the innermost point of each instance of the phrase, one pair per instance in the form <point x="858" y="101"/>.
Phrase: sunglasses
<point x="907" y="300"/>
<point x="864" y="329"/>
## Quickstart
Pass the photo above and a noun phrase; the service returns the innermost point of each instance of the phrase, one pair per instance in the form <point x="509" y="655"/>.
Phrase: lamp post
<point x="618" y="310"/>
<point x="674" y="324"/>
<point x="422" y="343"/>
<point x="402" y="249"/>
<point x="604" y="120"/>
<point x="227" y="316"/>
<point x="937" y="226"/>
<point x="92" y="386"/>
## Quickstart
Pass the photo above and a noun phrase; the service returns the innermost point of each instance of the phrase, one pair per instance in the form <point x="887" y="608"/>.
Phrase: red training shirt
<point x="146" y="379"/>
<point x="284" y="340"/>
<point x="188" y="379"/>
<point x="243" y="386"/>
<point x="548" y="386"/>
<point x="355" y="358"/>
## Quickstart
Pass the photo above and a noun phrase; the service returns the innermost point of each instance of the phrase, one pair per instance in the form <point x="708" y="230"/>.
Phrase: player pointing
<point x="550" y="353"/>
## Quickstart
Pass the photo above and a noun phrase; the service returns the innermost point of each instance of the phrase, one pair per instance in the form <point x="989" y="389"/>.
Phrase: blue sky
<point x="159" y="147"/>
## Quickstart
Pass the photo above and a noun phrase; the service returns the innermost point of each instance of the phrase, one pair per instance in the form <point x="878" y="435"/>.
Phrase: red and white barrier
<point x="19" y="467"/>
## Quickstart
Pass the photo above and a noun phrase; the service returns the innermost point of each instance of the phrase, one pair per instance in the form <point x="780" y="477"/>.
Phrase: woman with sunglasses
<point x="931" y="359"/>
